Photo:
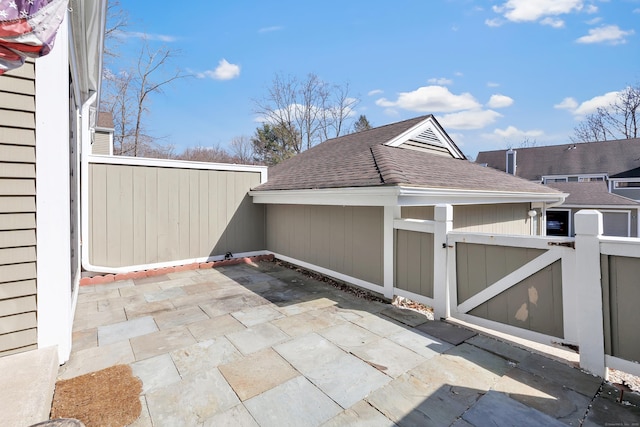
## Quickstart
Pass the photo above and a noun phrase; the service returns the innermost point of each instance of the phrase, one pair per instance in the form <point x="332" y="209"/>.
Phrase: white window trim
<point x="580" y="176"/>
<point x="628" y="212"/>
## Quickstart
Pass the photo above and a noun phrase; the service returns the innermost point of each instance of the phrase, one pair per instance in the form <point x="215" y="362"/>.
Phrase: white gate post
<point x="388" y="256"/>
<point x="443" y="215"/>
<point x="588" y="226"/>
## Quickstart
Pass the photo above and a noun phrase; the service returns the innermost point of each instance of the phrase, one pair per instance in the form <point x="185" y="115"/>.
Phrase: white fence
<point x="545" y="289"/>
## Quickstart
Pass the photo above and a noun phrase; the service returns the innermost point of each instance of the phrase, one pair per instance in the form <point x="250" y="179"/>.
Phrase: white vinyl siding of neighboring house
<point x="18" y="321"/>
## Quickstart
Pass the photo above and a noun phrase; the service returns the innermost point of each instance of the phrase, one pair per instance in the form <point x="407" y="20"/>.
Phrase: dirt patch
<point x="109" y="397"/>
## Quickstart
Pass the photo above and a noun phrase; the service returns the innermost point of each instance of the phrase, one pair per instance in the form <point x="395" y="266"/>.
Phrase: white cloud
<point x="271" y="29"/>
<point x="375" y="92"/>
<point x="512" y="133"/>
<point x="492" y="84"/>
<point x="567" y="104"/>
<point x="432" y="99"/>
<point x="470" y="119"/>
<point x="458" y="74"/>
<point x="442" y="81"/>
<point x="552" y="22"/>
<point x="595" y="20"/>
<point x="636" y="10"/>
<point x="532" y="11"/>
<point x="145" y="36"/>
<point x="224" y="71"/>
<point x="499" y="101"/>
<point x="494" y="22"/>
<point x="611" y="34"/>
<point x="588" y="107"/>
<point x="591" y="9"/>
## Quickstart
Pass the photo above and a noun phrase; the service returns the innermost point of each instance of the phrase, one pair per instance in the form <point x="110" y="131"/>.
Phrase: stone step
<point x="27" y="381"/>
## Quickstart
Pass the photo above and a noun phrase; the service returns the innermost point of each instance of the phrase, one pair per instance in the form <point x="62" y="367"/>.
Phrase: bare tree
<point x="117" y="20"/>
<point x="213" y="154"/>
<point x="618" y="120"/>
<point x="242" y="149"/>
<point x="310" y="110"/>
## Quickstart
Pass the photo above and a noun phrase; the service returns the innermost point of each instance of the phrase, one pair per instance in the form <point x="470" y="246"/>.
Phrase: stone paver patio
<point x="263" y="345"/>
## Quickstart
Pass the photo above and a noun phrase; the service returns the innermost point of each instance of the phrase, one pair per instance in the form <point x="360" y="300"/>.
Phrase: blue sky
<point x="494" y="73"/>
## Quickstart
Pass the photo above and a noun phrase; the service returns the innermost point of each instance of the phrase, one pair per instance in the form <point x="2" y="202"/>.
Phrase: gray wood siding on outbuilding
<point x="414" y="262"/>
<point x="345" y="239"/>
<point x="101" y="143"/>
<point x="620" y="296"/>
<point x="18" y="322"/>
<point x="499" y="218"/>
<point x="145" y="215"/>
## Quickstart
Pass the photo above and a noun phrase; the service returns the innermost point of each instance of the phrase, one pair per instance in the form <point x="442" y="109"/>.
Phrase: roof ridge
<point x="389" y="170"/>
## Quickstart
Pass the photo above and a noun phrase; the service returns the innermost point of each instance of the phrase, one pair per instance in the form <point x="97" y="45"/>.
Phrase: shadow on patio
<point x="267" y="345"/>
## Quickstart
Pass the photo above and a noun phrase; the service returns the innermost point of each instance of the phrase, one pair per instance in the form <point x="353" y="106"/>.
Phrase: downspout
<point x="84" y="178"/>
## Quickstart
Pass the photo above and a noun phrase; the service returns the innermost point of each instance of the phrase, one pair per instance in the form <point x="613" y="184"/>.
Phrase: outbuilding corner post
<point x="588" y="226"/>
<point x="443" y="215"/>
<point x="388" y="257"/>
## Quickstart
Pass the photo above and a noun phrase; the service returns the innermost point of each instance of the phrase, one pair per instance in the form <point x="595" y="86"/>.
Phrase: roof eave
<point x="399" y="196"/>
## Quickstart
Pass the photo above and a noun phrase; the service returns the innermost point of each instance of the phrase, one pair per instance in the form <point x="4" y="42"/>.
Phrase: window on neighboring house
<point x="557" y="223"/>
<point x="591" y="179"/>
<point x="548" y="180"/>
<point x="627" y="184"/>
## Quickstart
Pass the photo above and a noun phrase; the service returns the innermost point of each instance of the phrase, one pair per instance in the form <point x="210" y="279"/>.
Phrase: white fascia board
<point x="177" y="164"/>
<point x="600" y="207"/>
<point x="397" y="196"/>
<point x="365" y="196"/>
<point x="410" y="196"/>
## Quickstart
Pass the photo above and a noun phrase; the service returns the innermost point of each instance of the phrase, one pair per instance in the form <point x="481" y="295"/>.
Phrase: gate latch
<point x="571" y="245"/>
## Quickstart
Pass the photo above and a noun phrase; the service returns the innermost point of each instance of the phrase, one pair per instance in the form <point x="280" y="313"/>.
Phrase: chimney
<point x="511" y="161"/>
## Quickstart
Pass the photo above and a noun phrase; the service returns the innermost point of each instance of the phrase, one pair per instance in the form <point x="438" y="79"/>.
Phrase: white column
<point x="388" y="255"/>
<point x="588" y="228"/>
<point x="52" y="198"/>
<point x="443" y="215"/>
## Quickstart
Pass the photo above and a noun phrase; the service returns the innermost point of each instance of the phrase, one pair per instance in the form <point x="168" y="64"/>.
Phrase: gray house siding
<point x="17" y="211"/>
<point x="347" y="240"/>
<point x="146" y="214"/>
<point x="101" y="143"/>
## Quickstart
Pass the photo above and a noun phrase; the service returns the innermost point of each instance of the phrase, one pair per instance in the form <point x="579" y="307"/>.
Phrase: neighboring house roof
<point x="363" y="160"/>
<point x="105" y="120"/>
<point x="611" y="157"/>
<point x="593" y="193"/>
<point x="632" y="173"/>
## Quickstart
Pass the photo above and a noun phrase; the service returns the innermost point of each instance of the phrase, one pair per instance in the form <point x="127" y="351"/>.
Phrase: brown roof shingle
<point x="362" y="160"/>
<point x="592" y="193"/>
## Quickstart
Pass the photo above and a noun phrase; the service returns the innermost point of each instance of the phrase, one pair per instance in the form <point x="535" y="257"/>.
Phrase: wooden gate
<point x="514" y="285"/>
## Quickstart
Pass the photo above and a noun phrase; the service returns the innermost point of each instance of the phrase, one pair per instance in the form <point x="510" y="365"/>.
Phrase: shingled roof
<point x="592" y="193"/>
<point x="363" y="160"/>
<point x="610" y="157"/>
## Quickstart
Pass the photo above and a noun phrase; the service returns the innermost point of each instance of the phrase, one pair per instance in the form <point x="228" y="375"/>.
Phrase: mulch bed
<point x="107" y="398"/>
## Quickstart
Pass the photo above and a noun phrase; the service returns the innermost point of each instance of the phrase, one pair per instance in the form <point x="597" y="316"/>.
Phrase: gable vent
<point x="427" y="137"/>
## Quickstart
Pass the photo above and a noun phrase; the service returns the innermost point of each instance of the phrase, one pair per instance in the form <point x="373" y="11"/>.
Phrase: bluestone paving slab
<point x="295" y="403"/>
<point x="347" y="379"/>
<point x="120" y="302"/>
<point x="198" y="288"/>
<point x="497" y="409"/>
<point x="212" y="328"/>
<point x="161" y="342"/>
<point x="183" y="274"/>
<point x="176" y="283"/>
<point x="204" y="356"/>
<point x="87" y="338"/>
<point x="405" y="316"/>
<point x="450" y="333"/>
<point x="483" y="359"/>
<point x="607" y="411"/>
<point x="95" y="359"/>
<point x="419" y="342"/>
<point x="144" y="420"/>
<point x="192" y="400"/>
<point x="151" y="279"/>
<point x="309" y="351"/>
<point x="388" y="357"/>
<point x="100" y="294"/>
<point x="379" y="325"/>
<point x="147" y="308"/>
<point x="140" y="289"/>
<point x="410" y="402"/>
<point x="256" y="315"/>
<point x="120" y="331"/>
<point x="156" y="372"/>
<point x="544" y="395"/>
<point x="98" y="318"/>
<point x="238" y="416"/>
<point x="562" y="374"/>
<point x="163" y="294"/>
<point x="218" y="307"/>
<point x="303" y="323"/>
<point x="257" y="338"/>
<point x="360" y="415"/>
<point x="348" y="336"/>
<point x="179" y="317"/>
<point x="257" y="373"/>
<point x="501" y="348"/>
